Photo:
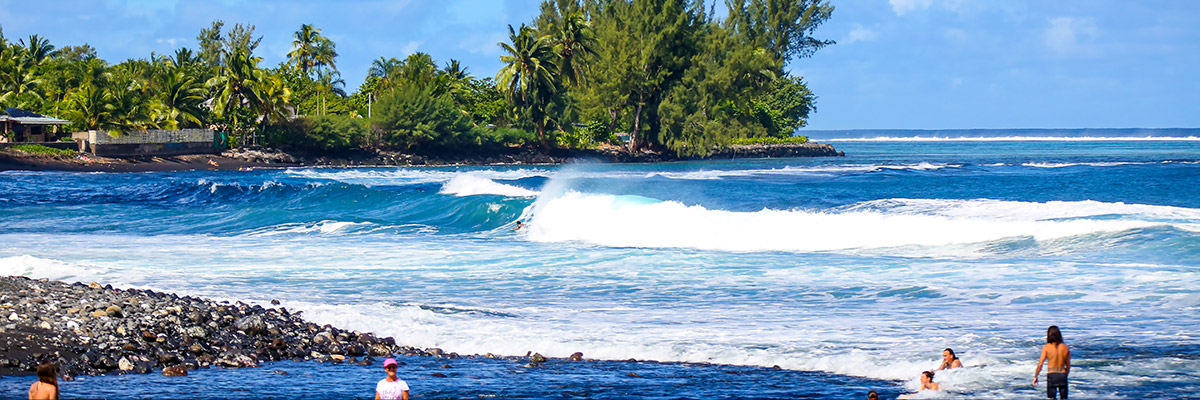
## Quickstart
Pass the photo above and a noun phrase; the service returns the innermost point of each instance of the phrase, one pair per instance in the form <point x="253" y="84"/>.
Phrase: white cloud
<point x="410" y="47"/>
<point x="172" y="42"/>
<point x="1070" y="35"/>
<point x="901" y="7"/>
<point x="860" y="34"/>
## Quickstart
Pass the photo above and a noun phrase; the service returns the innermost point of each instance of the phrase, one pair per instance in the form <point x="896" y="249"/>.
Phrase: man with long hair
<point x="1059" y="357"/>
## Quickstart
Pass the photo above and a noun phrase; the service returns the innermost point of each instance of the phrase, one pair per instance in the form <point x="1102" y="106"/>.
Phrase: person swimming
<point x="949" y="360"/>
<point x="926" y="384"/>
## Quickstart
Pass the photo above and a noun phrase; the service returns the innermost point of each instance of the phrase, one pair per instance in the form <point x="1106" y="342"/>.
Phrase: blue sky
<point x="904" y="64"/>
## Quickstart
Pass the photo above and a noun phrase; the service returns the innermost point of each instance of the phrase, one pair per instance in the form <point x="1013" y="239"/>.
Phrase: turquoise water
<point x="858" y="269"/>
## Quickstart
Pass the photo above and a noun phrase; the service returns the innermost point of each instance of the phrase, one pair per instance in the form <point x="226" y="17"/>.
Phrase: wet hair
<point x="872" y="395"/>
<point x="952" y="356"/>
<point x="928" y="374"/>
<point x="47" y="372"/>
<point x="1053" y="335"/>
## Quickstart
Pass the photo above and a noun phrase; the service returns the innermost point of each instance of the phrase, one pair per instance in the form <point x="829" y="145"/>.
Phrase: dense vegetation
<point x="668" y="73"/>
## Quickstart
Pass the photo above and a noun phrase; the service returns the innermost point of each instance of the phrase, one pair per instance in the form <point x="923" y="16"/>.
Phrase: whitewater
<point x="861" y="267"/>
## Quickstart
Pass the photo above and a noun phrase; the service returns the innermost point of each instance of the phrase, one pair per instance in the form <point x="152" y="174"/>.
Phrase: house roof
<point x="30" y="118"/>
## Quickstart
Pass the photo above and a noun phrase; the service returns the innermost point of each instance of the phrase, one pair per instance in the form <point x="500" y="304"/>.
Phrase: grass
<point x="44" y="150"/>
<point x="769" y="140"/>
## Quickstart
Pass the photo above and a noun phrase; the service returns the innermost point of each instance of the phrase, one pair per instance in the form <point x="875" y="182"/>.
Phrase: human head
<point x="872" y="395"/>
<point x="927" y="374"/>
<point x="948" y="353"/>
<point x="47" y="372"/>
<point x="1053" y="335"/>
<point x="390" y="365"/>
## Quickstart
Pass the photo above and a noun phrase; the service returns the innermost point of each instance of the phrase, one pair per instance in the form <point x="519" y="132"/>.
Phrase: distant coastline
<point x="1008" y="134"/>
<point x="242" y="159"/>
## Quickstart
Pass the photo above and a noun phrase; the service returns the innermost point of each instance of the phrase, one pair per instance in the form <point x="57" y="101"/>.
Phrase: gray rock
<point x="252" y="324"/>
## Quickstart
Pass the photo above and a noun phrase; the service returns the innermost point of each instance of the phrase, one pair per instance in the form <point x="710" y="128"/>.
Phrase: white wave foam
<point x="409" y="176"/>
<point x="322" y="227"/>
<point x="625" y="221"/>
<point x="471" y="185"/>
<point x="1020" y="139"/>
<point x="790" y="170"/>
<point x="34" y="267"/>
<point x="1086" y="164"/>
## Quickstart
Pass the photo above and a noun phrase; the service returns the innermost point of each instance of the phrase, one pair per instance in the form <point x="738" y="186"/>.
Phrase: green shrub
<point x="505" y="136"/>
<point x="44" y="150"/>
<point x="415" y="116"/>
<point x="325" y="133"/>
<point x="769" y="140"/>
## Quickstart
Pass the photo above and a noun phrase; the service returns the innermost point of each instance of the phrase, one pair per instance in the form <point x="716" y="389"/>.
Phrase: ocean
<point x="848" y="273"/>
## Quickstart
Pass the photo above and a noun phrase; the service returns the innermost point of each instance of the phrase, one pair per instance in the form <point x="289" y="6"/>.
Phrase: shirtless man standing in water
<point x="1059" y="366"/>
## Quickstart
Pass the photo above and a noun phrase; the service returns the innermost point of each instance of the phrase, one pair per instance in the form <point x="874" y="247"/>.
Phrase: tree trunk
<point x="637" y="126"/>
<point x="541" y="128"/>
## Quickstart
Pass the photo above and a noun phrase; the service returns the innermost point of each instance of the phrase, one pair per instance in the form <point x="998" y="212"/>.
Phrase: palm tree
<point x="18" y="84"/>
<point x="236" y="83"/>
<point x="573" y="42"/>
<point x="38" y="49"/>
<point x="184" y="57"/>
<point x="387" y="70"/>
<point x="275" y="99"/>
<point x="419" y="69"/>
<point x="329" y="82"/>
<point x="311" y="50"/>
<point x="181" y="95"/>
<point x="529" y="76"/>
<point x="88" y="106"/>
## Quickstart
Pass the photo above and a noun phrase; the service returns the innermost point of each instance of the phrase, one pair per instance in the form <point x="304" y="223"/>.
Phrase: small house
<point x="25" y="126"/>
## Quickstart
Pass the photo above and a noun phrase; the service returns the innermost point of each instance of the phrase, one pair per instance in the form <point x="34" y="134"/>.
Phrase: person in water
<point x="926" y="383"/>
<point x="872" y="395"/>
<point x="519" y="226"/>
<point x="46" y="387"/>
<point x="949" y="360"/>
<point x="391" y="388"/>
<point x="1058" y="358"/>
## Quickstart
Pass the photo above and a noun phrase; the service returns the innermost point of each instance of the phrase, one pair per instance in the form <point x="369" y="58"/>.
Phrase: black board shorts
<point x="1056" y="382"/>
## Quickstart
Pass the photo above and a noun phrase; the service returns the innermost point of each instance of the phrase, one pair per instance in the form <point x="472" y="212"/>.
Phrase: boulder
<point x="174" y="371"/>
<point x="252" y="324"/>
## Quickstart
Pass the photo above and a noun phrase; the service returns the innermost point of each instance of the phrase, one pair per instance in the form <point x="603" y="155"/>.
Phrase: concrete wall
<point x="163" y="142"/>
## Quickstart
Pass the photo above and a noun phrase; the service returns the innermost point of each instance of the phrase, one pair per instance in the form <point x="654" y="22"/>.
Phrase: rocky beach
<point x="245" y="158"/>
<point x="90" y="329"/>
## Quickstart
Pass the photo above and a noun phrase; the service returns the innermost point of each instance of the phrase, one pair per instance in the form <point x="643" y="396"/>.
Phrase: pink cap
<point x="389" y="362"/>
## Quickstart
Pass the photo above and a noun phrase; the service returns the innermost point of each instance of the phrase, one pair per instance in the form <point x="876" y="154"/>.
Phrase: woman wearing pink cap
<point x="391" y="388"/>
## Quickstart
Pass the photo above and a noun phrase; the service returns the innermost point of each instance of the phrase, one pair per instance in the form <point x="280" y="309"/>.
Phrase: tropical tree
<point x="574" y="43"/>
<point x="330" y="82"/>
<point x="236" y="85"/>
<point x="274" y="100"/>
<point x="529" y="76"/>
<point x="182" y="95"/>
<point x="88" y="106"/>
<point x="311" y="50"/>
<point x="38" y="49"/>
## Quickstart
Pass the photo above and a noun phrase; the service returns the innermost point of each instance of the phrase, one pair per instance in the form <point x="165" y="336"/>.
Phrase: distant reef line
<point x="1045" y="132"/>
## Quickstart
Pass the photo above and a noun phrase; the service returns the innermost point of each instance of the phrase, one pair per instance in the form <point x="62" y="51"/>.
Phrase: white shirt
<point x="391" y="390"/>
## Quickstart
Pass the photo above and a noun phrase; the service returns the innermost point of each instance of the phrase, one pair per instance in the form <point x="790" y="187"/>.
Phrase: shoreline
<point x="243" y="159"/>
